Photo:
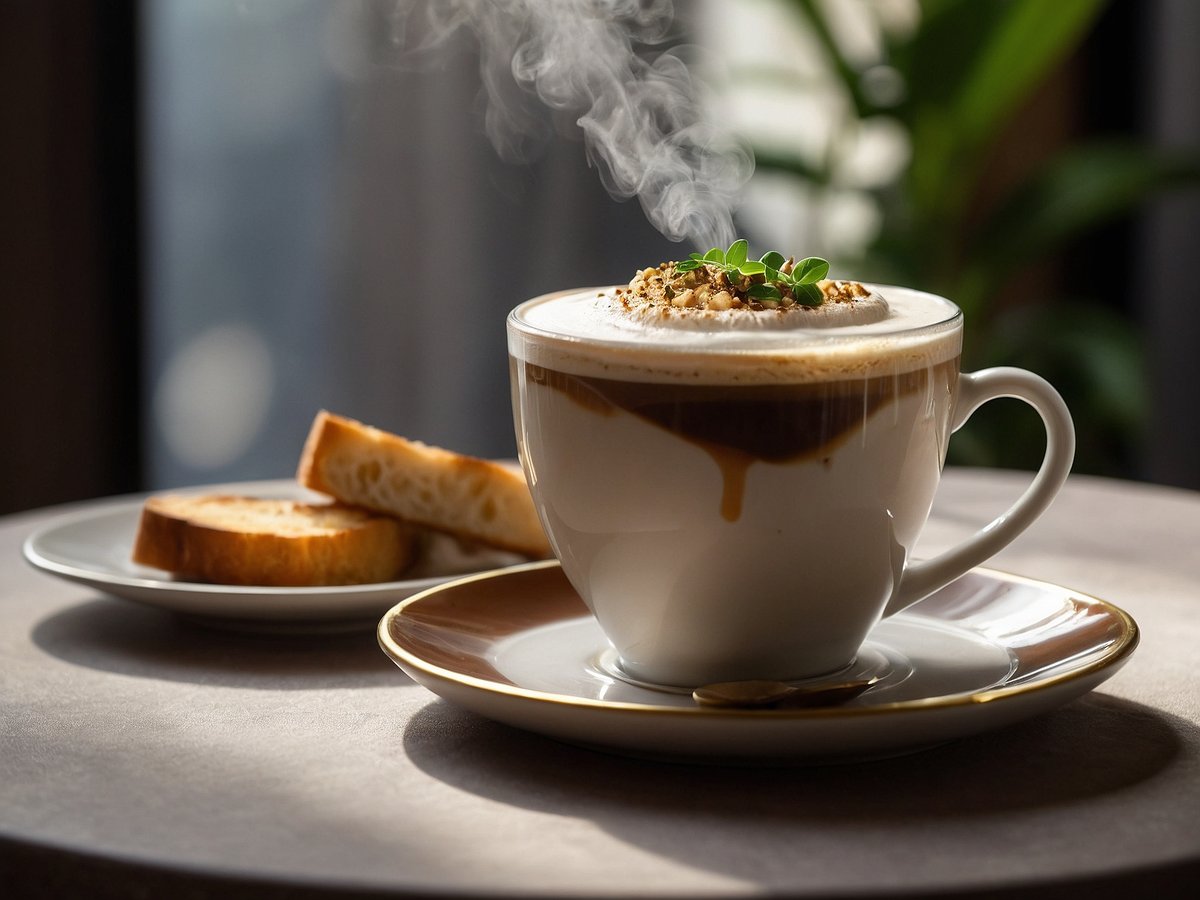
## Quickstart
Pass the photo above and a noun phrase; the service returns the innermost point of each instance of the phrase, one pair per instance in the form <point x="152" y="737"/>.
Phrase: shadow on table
<point x="1031" y="786"/>
<point x="114" y="636"/>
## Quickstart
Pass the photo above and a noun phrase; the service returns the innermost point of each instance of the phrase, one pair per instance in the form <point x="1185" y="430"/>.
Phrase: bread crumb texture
<point x="471" y="498"/>
<point x="266" y="542"/>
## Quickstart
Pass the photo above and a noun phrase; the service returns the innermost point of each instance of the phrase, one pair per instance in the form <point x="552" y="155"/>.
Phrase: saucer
<point x="520" y="647"/>
<point x="92" y="546"/>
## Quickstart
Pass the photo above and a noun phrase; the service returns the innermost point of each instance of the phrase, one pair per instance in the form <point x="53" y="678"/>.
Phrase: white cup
<point x="746" y="509"/>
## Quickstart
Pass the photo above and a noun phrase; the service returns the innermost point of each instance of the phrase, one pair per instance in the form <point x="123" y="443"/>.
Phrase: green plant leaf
<point x="968" y="68"/>
<point x="764" y="292"/>
<point x="737" y="252"/>
<point x="808" y="294"/>
<point x="1077" y="191"/>
<point x="750" y="267"/>
<point x="945" y="48"/>
<point x="715" y="255"/>
<point x="773" y="260"/>
<point x="1024" y="45"/>
<point x="688" y="265"/>
<point x="809" y="270"/>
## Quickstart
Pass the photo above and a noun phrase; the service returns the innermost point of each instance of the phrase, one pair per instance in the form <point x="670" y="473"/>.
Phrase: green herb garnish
<point x="734" y="262"/>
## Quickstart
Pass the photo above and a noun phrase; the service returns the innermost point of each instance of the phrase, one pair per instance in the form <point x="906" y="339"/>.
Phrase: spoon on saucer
<point x="778" y="694"/>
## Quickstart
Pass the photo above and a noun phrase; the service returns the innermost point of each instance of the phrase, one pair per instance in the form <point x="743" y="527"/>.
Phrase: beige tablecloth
<point x="140" y="754"/>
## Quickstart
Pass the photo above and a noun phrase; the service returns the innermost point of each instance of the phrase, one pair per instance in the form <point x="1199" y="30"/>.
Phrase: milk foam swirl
<point x="594" y="332"/>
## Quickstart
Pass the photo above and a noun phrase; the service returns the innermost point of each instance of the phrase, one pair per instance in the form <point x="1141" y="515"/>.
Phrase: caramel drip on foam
<point x="737" y="425"/>
<point x="734" y="466"/>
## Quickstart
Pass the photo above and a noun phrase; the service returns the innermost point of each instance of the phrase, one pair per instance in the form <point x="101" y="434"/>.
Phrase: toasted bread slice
<point x="251" y="541"/>
<point x="471" y="498"/>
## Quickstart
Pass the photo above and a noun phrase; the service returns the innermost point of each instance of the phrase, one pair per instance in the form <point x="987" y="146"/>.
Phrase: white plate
<point x="92" y="546"/>
<point x="986" y="651"/>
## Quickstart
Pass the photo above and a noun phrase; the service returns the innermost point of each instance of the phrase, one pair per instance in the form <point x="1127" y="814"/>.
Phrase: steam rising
<point x="639" y="112"/>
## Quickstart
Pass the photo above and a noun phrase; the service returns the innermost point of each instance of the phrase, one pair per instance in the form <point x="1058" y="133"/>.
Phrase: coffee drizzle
<point x="737" y="425"/>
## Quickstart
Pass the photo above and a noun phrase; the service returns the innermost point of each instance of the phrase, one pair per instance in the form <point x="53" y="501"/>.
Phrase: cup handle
<point x="921" y="579"/>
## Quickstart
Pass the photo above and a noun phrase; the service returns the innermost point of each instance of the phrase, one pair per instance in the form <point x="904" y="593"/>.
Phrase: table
<point x="140" y="754"/>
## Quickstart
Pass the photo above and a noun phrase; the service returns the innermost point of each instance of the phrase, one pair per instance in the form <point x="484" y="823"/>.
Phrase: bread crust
<point x="271" y="543"/>
<point x="472" y="498"/>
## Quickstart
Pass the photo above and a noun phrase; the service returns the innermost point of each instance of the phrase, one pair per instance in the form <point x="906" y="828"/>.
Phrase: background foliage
<point x="957" y="80"/>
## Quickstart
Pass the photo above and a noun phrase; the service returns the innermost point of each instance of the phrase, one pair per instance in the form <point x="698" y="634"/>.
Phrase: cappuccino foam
<point x="593" y="333"/>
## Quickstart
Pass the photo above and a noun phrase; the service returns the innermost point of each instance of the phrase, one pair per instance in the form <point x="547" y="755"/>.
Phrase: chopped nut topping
<point x="709" y="287"/>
